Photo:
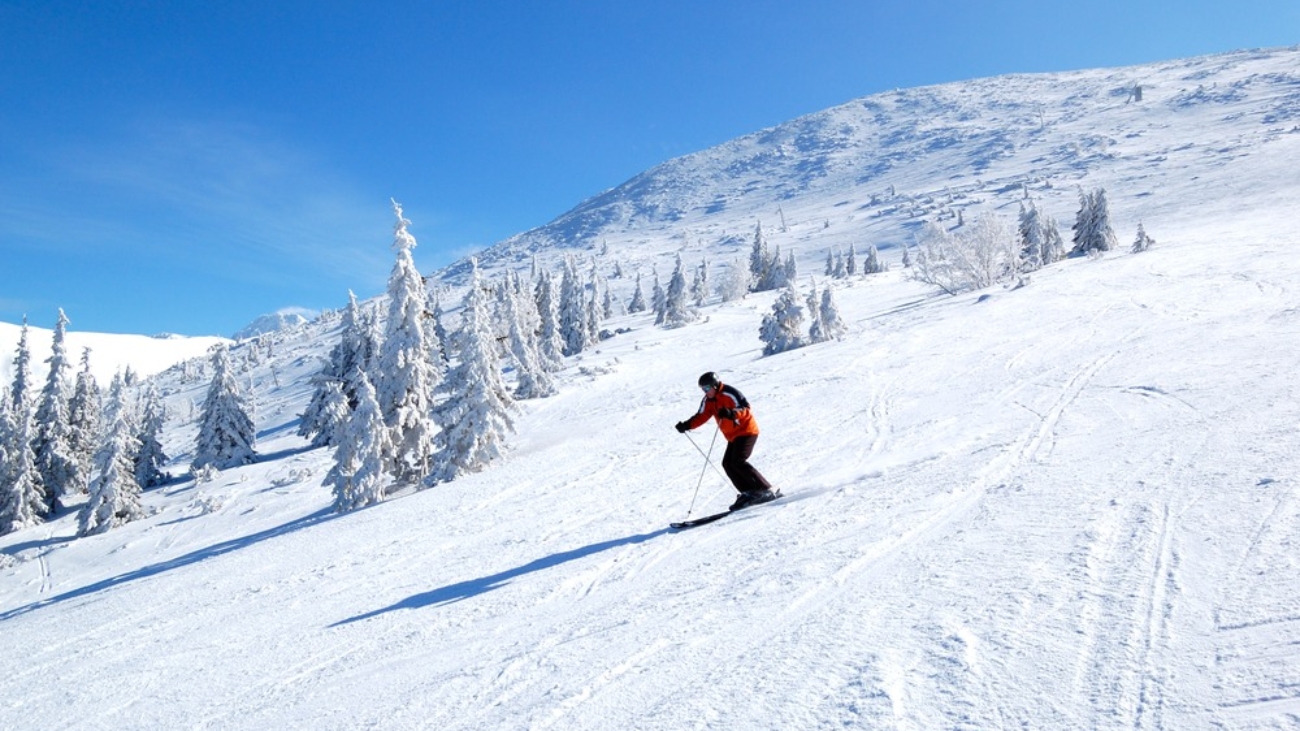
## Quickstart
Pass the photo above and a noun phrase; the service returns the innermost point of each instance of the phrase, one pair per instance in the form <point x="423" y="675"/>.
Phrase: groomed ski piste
<point x="1068" y="505"/>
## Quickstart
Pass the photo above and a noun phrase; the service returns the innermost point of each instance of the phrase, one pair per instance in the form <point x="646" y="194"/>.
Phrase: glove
<point x="726" y="413"/>
<point x="682" y="427"/>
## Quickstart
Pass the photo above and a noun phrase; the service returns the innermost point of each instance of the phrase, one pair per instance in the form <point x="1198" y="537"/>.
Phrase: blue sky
<point x="187" y="166"/>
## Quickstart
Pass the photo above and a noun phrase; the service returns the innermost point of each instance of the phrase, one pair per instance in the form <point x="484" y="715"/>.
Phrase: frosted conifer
<point x="573" y="310"/>
<point x="22" y="501"/>
<point x="638" y="298"/>
<point x="815" y="332"/>
<point x="700" y="284"/>
<point x="1033" y="238"/>
<point x="333" y="394"/>
<point x="593" y="309"/>
<point x="475" y="417"/>
<point x="658" y="300"/>
<point x="1092" y="229"/>
<point x="84" y="420"/>
<point x="677" y="308"/>
<point x="1143" y="242"/>
<point x="828" y="315"/>
<point x="226" y="434"/>
<point x="782" y="328"/>
<point x="20" y="392"/>
<point x="409" y="370"/>
<point x="533" y="380"/>
<point x="760" y="261"/>
<point x="873" y="264"/>
<point x="150" y="458"/>
<point x="1053" y="243"/>
<point x="54" y="455"/>
<point x="357" y="475"/>
<point x="114" y="493"/>
<point x="550" y="345"/>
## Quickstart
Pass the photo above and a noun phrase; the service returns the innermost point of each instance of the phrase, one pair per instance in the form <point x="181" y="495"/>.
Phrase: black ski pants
<point x="736" y="464"/>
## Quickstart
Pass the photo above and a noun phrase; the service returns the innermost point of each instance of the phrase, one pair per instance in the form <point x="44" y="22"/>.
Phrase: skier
<point x="740" y="428"/>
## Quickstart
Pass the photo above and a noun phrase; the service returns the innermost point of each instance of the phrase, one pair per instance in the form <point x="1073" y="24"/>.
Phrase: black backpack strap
<point x="731" y="391"/>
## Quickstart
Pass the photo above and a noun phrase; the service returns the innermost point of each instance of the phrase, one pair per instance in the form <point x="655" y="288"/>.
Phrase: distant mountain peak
<point x="275" y="322"/>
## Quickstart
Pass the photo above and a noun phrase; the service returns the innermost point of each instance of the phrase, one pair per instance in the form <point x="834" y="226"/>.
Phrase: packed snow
<point x="1068" y="504"/>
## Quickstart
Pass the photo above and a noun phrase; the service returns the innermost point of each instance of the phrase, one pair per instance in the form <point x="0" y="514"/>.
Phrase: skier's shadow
<point x="475" y="587"/>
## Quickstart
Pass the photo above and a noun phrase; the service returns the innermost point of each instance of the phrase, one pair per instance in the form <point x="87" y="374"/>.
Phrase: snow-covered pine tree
<point x="830" y="263"/>
<point x="6" y="435"/>
<point x="1053" y="243"/>
<point x="357" y="475"/>
<point x="873" y="265"/>
<point x="677" y="308"/>
<point x="533" y="380"/>
<point x="658" y="299"/>
<point x="476" y="415"/>
<point x="1143" y="242"/>
<point x="1033" y="238"/>
<point x="150" y="458"/>
<point x="815" y="332"/>
<point x="22" y="502"/>
<point x="409" y="369"/>
<point x="782" y="328"/>
<point x="226" y="434"/>
<point x="593" y="307"/>
<point x="840" y="271"/>
<point x="700" y="284"/>
<point x="775" y="274"/>
<point x="55" y="459"/>
<point x="828" y="315"/>
<point x="790" y="271"/>
<point x="527" y="304"/>
<point x="84" y="411"/>
<point x="637" y="304"/>
<point x="20" y="394"/>
<point x="114" y="493"/>
<point x="332" y="393"/>
<point x="436" y="317"/>
<point x="607" y="306"/>
<point x="573" y="310"/>
<point x="760" y="260"/>
<point x="1092" y="230"/>
<point x="851" y="261"/>
<point x="550" y="344"/>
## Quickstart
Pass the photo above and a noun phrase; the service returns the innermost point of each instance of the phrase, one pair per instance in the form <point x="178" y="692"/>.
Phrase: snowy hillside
<point x="109" y="353"/>
<point x="1068" y="505"/>
<point x="870" y="171"/>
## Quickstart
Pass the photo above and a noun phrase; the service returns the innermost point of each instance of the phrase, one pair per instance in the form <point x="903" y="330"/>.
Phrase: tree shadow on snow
<point x="202" y="554"/>
<point x="475" y="587"/>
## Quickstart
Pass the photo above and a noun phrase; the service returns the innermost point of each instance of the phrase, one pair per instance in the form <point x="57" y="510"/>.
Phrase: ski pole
<point x="708" y="461"/>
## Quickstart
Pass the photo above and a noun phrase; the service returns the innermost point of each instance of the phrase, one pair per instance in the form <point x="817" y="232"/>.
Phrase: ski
<point x="683" y="525"/>
<point x="698" y="521"/>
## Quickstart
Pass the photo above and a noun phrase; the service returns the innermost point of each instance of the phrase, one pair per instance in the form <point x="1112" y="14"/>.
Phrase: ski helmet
<point x="710" y="380"/>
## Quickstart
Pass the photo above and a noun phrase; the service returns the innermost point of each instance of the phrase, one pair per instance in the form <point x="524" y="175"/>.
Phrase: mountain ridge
<point x="968" y="138"/>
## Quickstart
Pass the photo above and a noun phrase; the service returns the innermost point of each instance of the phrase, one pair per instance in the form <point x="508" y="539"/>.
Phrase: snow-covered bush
<point x="782" y="328"/>
<point x="975" y="257"/>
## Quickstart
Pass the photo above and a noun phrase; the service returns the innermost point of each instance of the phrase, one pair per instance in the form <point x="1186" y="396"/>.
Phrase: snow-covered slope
<point x="109" y="353"/>
<point x="870" y="171"/>
<point x="1069" y="505"/>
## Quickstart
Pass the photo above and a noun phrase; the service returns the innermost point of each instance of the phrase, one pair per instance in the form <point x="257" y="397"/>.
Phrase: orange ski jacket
<point x="725" y="397"/>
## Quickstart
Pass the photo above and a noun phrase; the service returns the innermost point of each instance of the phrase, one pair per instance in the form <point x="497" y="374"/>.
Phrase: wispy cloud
<point x="229" y="195"/>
